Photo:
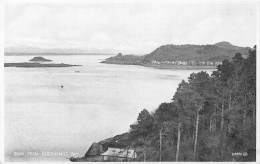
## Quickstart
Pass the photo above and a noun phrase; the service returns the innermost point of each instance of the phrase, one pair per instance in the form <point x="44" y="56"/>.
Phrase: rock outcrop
<point x="40" y="59"/>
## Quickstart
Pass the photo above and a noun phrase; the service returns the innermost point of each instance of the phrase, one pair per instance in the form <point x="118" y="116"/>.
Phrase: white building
<point x="178" y="62"/>
<point x="218" y="63"/>
<point x="116" y="154"/>
<point x="153" y="62"/>
<point x="210" y="63"/>
<point x="184" y="63"/>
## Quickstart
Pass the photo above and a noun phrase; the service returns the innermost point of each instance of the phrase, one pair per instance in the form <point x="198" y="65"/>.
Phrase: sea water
<point x="45" y="122"/>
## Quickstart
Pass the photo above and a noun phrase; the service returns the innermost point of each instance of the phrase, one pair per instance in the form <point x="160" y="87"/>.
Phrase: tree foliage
<point x="217" y="114"/>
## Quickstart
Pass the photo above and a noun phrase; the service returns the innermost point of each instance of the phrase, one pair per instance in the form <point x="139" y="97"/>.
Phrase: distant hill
<point x="197" y="53"/>
<point x="215" y="52"/>
<point x="50" y="53"/>
<point x="24" y="50"/>
<point x="29" y="49"/>
<point x="227" y="45"/>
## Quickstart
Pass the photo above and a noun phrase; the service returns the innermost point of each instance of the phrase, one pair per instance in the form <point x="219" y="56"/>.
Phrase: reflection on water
<point x="47" y="122"/>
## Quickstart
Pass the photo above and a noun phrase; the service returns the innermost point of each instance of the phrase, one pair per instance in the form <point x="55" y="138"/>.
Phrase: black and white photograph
<point x="129" y="81"/>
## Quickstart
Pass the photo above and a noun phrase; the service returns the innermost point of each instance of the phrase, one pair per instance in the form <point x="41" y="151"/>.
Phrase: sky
<point x="132" y="28"/>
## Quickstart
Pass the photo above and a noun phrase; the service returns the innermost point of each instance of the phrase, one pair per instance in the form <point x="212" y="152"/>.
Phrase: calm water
<point x="45" y="122"/>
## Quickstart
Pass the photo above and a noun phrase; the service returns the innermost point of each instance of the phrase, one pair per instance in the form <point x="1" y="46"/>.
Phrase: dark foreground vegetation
<point x="210" y="118"/>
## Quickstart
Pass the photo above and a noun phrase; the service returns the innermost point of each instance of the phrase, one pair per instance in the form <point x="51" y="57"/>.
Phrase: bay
<point x="45" y="122"/>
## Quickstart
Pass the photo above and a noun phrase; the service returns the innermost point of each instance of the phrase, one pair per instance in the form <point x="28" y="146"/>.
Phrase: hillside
<point x="124" y="59"/>
<point x="193" y="55"/>
<point x="215" y="53"/>
<point x="227" y="45"/>
<point x="201" y="123"/>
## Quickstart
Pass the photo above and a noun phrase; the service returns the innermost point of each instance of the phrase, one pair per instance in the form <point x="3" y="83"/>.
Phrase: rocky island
<point x="32" y="65"/>
<point x="37" y="63"/>
<point x="40" y="59"/>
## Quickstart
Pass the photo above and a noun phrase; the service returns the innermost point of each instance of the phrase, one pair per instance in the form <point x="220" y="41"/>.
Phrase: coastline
<point x="95" y="151"/>
<point x="160" y="66"/>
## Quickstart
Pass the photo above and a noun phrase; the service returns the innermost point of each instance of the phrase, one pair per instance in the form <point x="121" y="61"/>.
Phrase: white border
<point x="2" y="2"/>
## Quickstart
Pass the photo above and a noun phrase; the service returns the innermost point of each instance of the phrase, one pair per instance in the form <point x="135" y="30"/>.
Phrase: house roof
<point x="123" y="153"/>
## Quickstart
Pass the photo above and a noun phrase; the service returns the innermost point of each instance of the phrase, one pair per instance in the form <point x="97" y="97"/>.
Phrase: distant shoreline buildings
<point x="191" y="63"/>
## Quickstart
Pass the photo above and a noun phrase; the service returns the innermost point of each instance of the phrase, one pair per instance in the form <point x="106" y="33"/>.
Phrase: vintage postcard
<point x="129" y="81"/>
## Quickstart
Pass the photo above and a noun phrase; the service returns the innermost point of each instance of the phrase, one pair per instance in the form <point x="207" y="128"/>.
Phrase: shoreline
<point x="161" y="66"/>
